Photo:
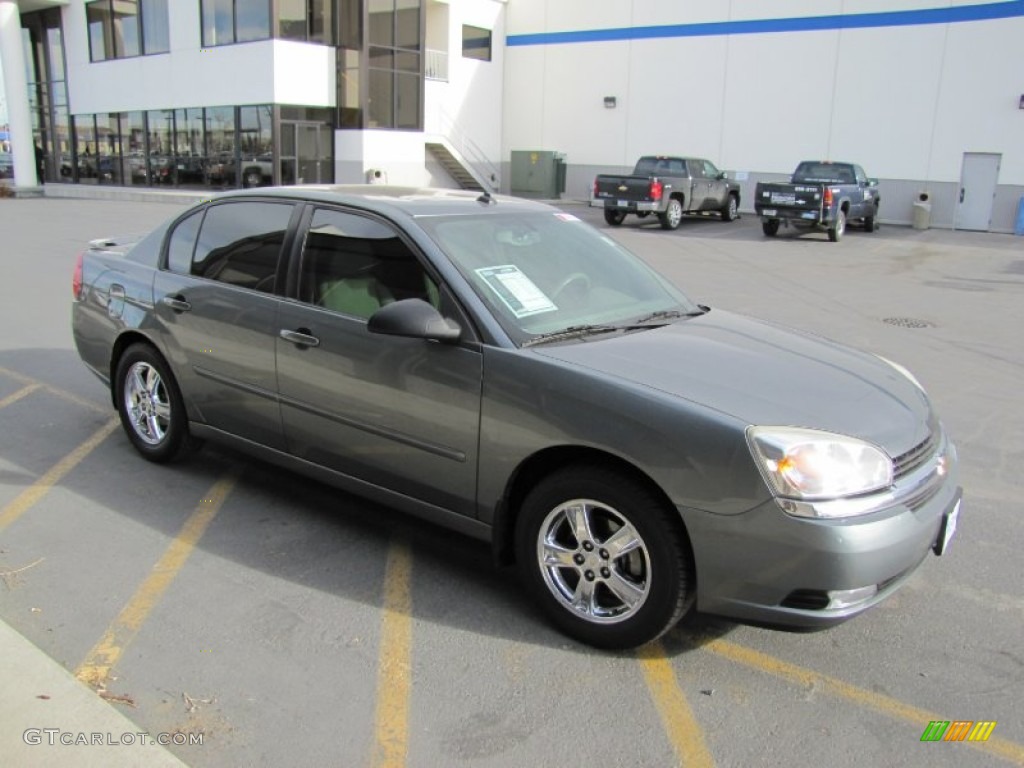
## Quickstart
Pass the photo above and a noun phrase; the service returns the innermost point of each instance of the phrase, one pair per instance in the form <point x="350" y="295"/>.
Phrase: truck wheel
<point x="870" y="225"/>
<point x="731" y="210"/>
<point x="673" y="215"/>
<point x="836" y="231"/>
<point x="603" y="557"/>
<point x="770" y="227"/>
<point x="615" y="218"/>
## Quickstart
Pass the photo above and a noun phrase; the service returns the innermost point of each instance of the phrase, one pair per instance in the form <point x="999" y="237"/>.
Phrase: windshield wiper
<point x="573" y="332"/>
<point x="664" y="314"/>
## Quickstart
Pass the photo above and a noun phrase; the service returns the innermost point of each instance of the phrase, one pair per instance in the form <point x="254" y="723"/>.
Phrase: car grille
<point x="907" y="462"/>
<point x="806" y="600"/>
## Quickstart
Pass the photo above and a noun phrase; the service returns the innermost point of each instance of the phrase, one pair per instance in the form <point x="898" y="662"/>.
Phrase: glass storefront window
<point x="291" y="19"/>
<point x="135" y="170"/>
<point x="108" y="149"/>
<point x="161" y="156"/>
<point x="189" y="148"/>
<point x="85" y="149"/>
<point x="256" y="144"/>
<point x="221" y="170"/>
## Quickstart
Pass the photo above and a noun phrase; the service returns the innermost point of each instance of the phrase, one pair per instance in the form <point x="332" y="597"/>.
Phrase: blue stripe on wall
<point x="949" y="15"/>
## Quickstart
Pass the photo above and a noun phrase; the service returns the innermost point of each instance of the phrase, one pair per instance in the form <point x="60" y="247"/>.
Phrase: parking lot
<point x="292" y="624"/>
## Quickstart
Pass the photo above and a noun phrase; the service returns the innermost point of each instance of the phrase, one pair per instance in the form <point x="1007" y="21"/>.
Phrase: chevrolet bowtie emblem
<point x="623" y="188"/>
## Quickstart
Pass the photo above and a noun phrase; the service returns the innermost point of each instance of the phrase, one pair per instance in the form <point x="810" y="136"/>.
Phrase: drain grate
<point x="908" y="322"/>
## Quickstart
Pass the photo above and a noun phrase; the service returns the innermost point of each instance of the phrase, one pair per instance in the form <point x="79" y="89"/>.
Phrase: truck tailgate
<point x="631" y="188"/>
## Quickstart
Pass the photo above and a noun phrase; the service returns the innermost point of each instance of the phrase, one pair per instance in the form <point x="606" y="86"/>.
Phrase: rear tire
<point x="838" y="228"/>
<point x="770" y="227"/>
<point x="603" y="557"/>
<point x="614" y="218"/>
<point x="150" y="405"/>
<point x="673" y="214"/>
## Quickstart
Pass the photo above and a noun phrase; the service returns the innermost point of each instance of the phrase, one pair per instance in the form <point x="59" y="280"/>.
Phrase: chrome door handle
<point x="176" y="303"/>
<point x="300" y="338"/>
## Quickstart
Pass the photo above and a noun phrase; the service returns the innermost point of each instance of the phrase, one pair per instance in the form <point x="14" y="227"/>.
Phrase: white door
<point x="978" y="179"/>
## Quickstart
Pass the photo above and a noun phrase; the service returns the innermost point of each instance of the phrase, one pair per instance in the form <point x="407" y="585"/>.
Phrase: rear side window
<point x="182" y="243"/>
<point x="240" y="243"/>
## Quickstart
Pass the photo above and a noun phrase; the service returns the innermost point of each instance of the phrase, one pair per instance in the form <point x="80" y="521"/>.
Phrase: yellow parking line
<point x="394" y="671"/>
<point x="1008" y="750"/>
<point x="31" y="495"/>
<point x="676" y="715"/>
<point x="56" y="391"/>
<point x="96" y="667"/>
<point x="23" y="392"/>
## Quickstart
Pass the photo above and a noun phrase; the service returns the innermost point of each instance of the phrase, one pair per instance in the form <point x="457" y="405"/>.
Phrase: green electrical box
<point x="539" y="175"/>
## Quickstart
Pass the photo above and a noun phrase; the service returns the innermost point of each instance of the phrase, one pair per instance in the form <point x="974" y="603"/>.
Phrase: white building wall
<point x="905" y="101"/>
<point x="263" y="72"/>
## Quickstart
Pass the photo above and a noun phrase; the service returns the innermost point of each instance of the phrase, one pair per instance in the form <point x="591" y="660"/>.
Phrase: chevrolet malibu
<point x="499" y="367"/>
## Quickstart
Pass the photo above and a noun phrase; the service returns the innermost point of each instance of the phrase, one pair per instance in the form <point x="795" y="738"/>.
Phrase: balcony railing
<point x="436" y="65"/>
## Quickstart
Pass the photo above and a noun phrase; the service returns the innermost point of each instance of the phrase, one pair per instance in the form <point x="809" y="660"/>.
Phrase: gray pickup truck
<point x="668" y="187"/>
<point x="820" y="195"/>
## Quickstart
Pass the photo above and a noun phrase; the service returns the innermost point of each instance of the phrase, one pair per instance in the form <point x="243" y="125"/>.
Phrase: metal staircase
<point x="461" y="172"/>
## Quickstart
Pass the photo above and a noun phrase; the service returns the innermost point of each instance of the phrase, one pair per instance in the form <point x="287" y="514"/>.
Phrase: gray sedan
<point x="502" y="368"/>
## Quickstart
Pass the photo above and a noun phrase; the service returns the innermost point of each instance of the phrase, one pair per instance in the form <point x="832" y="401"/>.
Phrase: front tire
<point x="603" y="556"/>
<point x="614" y="218"/>
<point x="150" y="405"/>
<point x="838" y="229"/>
<point x="673" y="214"/>
<point x="731" y="210"/>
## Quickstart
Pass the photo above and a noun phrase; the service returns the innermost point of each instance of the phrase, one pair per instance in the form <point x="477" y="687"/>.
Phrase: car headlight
<point x="806" y="465"/>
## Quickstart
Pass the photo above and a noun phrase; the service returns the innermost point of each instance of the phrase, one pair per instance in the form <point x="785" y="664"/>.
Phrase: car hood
<point x="764" y="374"/>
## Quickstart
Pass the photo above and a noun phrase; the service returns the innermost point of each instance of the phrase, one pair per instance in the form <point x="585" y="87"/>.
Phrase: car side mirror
<point x="415" y="319"/>
<point x="723" y="175"/>
<point x="872" y="182"/>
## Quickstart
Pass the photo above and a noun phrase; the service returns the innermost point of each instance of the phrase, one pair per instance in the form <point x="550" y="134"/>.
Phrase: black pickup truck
<point x="821" y="195"/>
<point x="668" y="187"/>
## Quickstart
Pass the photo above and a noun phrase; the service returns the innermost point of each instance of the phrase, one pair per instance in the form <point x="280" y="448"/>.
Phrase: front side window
<point x="240" y="243"/>
<point x="355" y="265"/>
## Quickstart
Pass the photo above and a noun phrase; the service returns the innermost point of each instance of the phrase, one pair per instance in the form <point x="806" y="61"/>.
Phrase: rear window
<point x="652" y="166"/>
<point x="823" y="173"/>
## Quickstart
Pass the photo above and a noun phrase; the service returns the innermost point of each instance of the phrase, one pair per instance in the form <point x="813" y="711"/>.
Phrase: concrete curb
<point x="72" y="725"/>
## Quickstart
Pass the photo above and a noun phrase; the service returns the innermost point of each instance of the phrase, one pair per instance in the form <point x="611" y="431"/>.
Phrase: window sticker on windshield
<point x="566" y="217"/>
<point x="518" y="292"/>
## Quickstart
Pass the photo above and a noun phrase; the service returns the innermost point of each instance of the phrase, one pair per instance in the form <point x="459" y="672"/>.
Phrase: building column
<point x="23" y="148"/>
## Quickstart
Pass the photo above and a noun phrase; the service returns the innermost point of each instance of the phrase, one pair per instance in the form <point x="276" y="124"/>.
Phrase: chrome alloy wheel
<point x="674" y="213"/>
<point x="147" y="402"/>
<point x="594" y="561"/>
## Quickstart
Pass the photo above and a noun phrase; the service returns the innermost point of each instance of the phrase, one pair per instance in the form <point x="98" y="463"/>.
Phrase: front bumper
<point x="766" y="566"/>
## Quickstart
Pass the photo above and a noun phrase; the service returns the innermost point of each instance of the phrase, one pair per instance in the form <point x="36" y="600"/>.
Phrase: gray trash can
<point x="922" y="212"/>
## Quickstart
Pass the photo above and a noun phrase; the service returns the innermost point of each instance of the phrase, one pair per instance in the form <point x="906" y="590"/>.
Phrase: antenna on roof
<point x="485" y="198"/>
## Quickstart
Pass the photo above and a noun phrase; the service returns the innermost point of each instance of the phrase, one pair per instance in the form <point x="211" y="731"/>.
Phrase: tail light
<point x="656" y="190"/>
<point x="828" y="197"/>
<point x="595" y="187"/>
<point x="76" y="280"/>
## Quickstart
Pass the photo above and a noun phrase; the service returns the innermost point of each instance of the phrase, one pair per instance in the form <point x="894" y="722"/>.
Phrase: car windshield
<point x="544" y="272"/>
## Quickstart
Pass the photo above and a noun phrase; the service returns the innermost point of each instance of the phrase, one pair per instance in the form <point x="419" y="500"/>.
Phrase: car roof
<point x="389" y="199"/>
